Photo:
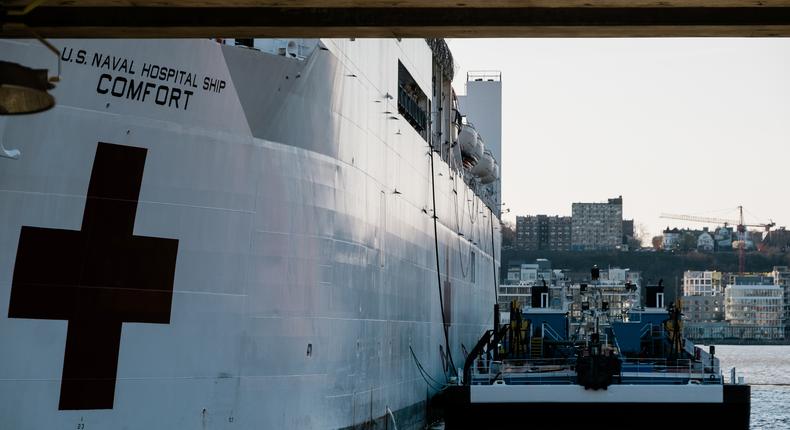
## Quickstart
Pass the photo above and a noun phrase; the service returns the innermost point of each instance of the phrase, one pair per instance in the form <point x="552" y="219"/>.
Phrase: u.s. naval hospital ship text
<point x="203" y="235"/>
<point x="155" y="83"/>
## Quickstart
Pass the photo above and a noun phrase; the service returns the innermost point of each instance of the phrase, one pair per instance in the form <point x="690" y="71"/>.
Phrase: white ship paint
<point x="280" y="189"/>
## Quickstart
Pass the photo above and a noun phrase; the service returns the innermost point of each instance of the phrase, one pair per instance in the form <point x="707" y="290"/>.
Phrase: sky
<point x="686" y="126"/>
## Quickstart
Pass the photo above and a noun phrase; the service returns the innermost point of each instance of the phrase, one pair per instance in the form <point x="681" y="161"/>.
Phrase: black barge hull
<point x="463" y="413"/>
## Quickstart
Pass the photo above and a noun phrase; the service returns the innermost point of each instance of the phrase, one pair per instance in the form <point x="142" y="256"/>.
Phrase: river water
<point x="767" y="370"/>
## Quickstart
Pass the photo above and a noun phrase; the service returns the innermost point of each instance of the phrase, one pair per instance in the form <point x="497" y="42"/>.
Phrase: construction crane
<point x="740" y="226"/>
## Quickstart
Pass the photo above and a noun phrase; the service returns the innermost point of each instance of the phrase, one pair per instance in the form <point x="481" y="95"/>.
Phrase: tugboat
<point x="593" y="354"/>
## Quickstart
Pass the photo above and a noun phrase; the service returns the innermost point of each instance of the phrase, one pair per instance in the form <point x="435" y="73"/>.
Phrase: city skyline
<point x="689" y="126"/>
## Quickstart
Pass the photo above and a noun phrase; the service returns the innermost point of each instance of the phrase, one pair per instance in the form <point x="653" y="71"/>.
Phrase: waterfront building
<point x="702" y="283"/>
<point x="533" y="273"/>
<point x="522" y="277"/>
<point x="513" y="274"/>
<point x="537" y="272"/>
<point x="623" y="276"/>
<point x="703" y="296"/>
<point x="750" y="301"/>
<point x="703" y="309"/>
<point x="752" y="307"/>
<point x="518" y="292"/>
<point x="543" y="233"/>
<point x="597" y="226"/>
<point x="749" y="279"/>
<point x="722" y="330"/>
<point x="781" y="275"/>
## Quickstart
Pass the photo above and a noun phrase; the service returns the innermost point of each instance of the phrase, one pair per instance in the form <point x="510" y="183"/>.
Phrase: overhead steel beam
<point x="18" y="4"/>
<point x="498" y="18"/>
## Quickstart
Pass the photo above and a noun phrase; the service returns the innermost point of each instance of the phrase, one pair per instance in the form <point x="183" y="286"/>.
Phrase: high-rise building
<point x="543" y="233"/>
<point x="628" y="228"/>
<point x="483" y="105"/>
<point x="628" y="232"/>
<point x="597" y="226"/>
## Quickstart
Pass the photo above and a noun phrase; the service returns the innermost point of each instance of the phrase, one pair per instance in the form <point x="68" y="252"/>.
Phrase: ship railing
<point x="484" y="75"/>
<point x="659" y="368"/>
<point x="548" y="329"/>
<point x="411" y="110"/>
<point x="735" y="378"/>
<point x="652" y="330"/>
<point x="616" y="345"/>
<point x="524" y="371"/>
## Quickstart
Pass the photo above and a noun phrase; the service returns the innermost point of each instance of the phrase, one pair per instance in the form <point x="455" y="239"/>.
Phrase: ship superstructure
<point x="601" y="351"/>
<point x="241" y="234"/>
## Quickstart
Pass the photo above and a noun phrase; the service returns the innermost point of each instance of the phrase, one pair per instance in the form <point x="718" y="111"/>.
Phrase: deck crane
<point x="739" y="223"/>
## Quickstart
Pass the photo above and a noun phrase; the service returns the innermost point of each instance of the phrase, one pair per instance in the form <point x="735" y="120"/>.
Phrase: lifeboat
<point x="484" y="166"/>
<point x="471" y="145"/>
<point x="493" y="176"/>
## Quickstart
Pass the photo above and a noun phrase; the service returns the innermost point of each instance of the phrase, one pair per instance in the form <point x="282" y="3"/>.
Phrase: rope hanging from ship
<point x="424" y="373"/>
<point x="461" y="243"/>
<point x="472" y="205"/>
<point x="438" y="267"/>
<point x="459" y="227"/>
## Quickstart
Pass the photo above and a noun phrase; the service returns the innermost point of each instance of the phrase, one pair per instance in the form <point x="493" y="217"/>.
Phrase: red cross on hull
<point x="96" y="278"/>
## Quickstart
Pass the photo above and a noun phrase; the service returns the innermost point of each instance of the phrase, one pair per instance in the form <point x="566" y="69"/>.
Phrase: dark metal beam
<point x="398" y="21"/>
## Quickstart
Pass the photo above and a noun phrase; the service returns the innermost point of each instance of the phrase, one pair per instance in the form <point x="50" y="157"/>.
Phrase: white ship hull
<point x="305" y="266"/>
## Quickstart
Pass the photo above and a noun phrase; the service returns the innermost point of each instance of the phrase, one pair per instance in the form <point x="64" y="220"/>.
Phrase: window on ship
<point x="413" y="104"/>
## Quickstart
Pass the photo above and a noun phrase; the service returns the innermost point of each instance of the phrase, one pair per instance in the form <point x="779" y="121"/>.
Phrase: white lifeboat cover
<point x="468" y="138"/>
<point x="485" y="166"/>
<point x="493" y="176"/>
